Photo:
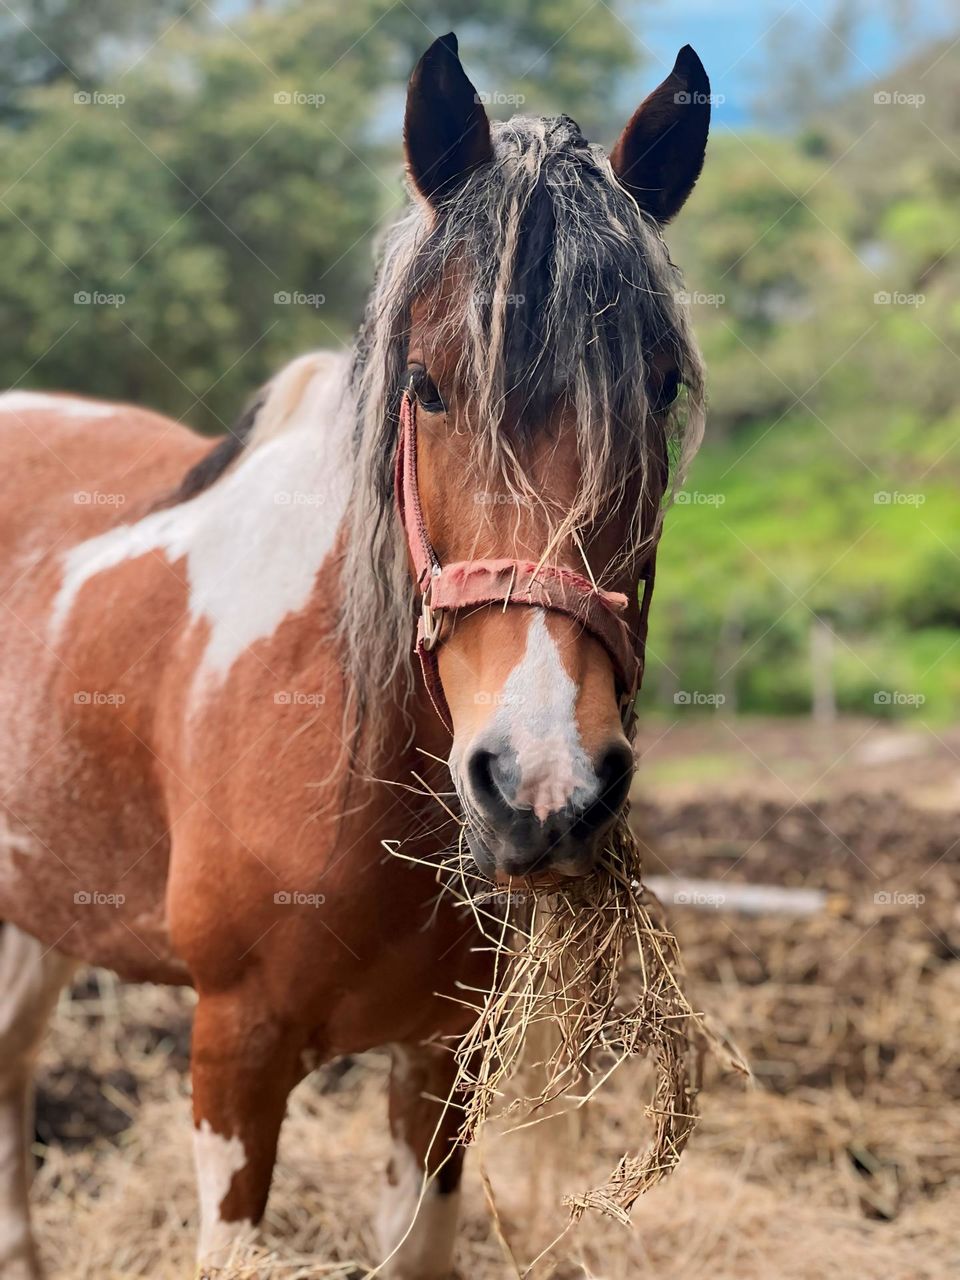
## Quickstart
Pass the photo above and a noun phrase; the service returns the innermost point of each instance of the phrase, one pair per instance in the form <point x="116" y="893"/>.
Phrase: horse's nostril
<point x="614" y="770"/>
<point x="482" y="774"/>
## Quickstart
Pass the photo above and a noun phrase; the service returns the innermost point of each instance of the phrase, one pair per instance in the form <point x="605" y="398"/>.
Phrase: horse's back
<point x="71" y="467"/>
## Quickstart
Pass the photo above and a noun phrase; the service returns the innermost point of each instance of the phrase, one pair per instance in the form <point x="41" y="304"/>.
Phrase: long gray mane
<point x="569" y="290"/>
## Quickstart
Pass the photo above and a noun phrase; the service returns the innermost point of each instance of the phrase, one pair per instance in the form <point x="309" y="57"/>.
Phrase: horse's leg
<point x="243" y="1066"/>
<point x="417" y="1223"/>
<point x="31" y="975"/>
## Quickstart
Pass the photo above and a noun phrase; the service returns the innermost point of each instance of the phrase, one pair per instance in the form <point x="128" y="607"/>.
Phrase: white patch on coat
<point x="256" y="539"/>
<point x="31" y="976"/>
<point x="14" y="843"/>
<point x="17" y="402"/>
<point x="217" y="1159"/>
<point x="423" y="1250"/>
<point x="538" y="722"/>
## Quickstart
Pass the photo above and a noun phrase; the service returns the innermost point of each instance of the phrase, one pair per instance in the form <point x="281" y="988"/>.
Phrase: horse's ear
<point x="446" y="133"/>
<point x="659" y="155"/>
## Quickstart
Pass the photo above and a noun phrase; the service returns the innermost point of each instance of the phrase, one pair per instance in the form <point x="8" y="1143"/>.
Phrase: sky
<point x="731" y="38"/>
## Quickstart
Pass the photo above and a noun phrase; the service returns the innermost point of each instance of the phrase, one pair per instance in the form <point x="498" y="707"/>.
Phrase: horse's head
<point x="531" y="325"/>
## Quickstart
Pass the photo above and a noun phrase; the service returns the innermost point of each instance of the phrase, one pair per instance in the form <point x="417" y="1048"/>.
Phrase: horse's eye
<point x="425" y="389"/>
<point x="665" y="390"/>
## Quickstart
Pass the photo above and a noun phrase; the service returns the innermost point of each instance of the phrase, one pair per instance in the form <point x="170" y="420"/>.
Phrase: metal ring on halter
<point x="432" y="620"/>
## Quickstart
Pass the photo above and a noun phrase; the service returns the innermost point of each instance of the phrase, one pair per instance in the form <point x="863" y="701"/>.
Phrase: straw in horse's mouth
<point x="591" y="959"/>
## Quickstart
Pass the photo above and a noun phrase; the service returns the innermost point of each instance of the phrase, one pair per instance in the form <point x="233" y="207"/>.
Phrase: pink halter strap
<point x="445" y="589"/>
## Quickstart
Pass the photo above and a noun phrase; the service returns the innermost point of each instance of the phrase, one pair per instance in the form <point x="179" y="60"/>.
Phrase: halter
<point x="446" y="589"/>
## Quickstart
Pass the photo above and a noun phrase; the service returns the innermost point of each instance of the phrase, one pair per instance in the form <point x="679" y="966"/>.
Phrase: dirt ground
<point x="843" y="1159"/>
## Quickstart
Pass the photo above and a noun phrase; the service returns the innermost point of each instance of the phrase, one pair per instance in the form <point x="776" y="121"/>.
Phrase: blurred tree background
<point x="190" y="194"/>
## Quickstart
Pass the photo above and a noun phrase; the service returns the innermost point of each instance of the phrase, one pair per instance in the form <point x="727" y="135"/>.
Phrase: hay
<point x="591" y="961"/>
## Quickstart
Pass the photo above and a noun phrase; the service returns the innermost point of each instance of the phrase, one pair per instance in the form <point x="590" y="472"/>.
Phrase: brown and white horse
<point x="207" y="678"/>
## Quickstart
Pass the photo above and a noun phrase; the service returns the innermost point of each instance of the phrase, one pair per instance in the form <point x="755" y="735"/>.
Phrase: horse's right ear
<point x="446" y="133"/>
<point x="659" y="155"/>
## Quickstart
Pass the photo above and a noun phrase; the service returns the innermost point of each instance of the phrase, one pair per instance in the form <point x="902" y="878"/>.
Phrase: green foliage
<point x="222" y="178"/>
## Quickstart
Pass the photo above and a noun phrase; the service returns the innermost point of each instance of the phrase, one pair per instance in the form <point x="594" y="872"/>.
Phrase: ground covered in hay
<point x="843" y="1160"/>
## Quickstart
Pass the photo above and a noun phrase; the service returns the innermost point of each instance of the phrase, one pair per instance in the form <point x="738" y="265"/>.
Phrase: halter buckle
<point x="431" y="619"/>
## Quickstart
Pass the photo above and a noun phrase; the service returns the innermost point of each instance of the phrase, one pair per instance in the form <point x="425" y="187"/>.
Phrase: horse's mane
<point x="568" y="290"/>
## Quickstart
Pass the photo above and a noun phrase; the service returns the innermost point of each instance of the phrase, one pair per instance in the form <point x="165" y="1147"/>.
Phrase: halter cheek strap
<point x="445" y="589"/>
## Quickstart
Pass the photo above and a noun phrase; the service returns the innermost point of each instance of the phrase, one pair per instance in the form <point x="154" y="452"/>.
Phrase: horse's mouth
<point x="507" y="864"/>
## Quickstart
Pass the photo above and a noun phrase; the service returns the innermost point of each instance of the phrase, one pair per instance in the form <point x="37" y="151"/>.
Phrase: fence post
<point x="824" y="698"/>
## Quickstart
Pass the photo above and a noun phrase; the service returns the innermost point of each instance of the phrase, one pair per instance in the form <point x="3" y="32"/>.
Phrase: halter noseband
<point x="465" y="584"/>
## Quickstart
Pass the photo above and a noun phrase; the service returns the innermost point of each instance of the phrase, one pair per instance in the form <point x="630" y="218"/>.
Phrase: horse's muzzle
<point x="510" y="836"/>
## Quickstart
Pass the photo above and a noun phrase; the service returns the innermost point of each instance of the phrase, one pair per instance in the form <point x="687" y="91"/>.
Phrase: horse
<point x="223" y="663"/>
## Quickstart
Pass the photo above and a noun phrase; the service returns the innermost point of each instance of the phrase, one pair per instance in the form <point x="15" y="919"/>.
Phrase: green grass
<point x="788" y="524"/>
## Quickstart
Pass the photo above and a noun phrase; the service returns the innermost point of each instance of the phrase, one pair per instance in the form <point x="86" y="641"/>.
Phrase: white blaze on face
<point x="254" y="541"/>
<point x="416" y="1224"/>
<point x="217" y="1159"/>
<point x="538" y="724"/>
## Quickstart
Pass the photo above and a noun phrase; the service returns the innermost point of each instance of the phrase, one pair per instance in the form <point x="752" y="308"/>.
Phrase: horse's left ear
<point x="446" y="133"/>
<point x="659" y="155"/>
